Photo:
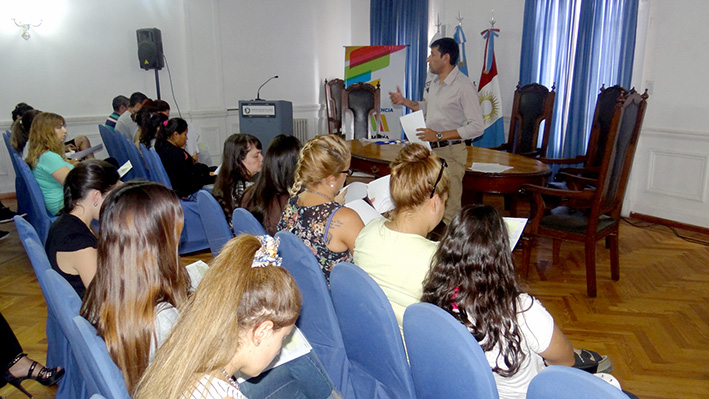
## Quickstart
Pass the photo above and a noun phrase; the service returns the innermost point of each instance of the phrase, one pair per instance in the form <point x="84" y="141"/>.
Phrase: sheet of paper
<point x="364" y="210"/>
<point x="378" y="192"/>
<point x="125" y="168"/>
<point x="196" y="271"/>
<point x="84" y="153"/>
<point x="355" y="190"/>
<point x="410" y="123"/>
<point x="515" y="228"/>
<point x="489" y="167"/>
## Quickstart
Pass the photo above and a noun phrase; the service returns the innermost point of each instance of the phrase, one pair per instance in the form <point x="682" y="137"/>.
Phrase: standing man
<point x="125" y="123"/>
<point x="120" y="105"/>
<point x="452" y="111"/>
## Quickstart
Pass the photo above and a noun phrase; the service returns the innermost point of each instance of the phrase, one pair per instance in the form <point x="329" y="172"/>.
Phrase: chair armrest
<point x="577" y="182"/>
<point x="532" y="154"/>
<point x="501" y="147"/>
<point x="579" y="199"/>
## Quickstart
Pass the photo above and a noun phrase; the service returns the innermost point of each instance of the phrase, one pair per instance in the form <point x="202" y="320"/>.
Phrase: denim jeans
<point x="301" y="378"/>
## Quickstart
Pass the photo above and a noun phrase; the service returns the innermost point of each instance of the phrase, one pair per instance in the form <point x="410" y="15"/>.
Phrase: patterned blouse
<point x="311" y="224"/>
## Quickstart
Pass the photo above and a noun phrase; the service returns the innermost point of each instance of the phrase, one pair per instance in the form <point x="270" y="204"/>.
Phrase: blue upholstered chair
<point x="21" y="190"/>
<point x="105" y="374"/>
<point x="37" y="213"/>
<point x="136" y="160"/>
<point x="445" y="359"/>
<point x="66" y="304"/>
<point x="194" y="236"/>
<point x="244" y="222"/>
<point x="155" y="168"/>
<point x="116" y="149"/>
<point x="58" y="349"/>
<point x="559" y="382"/>
<point x="378" y="366"/>
<point x="317" y="315"/>
<point x="213" y="221"/>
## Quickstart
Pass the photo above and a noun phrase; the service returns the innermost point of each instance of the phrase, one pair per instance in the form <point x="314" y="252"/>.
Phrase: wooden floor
<point x="653" y="323"/>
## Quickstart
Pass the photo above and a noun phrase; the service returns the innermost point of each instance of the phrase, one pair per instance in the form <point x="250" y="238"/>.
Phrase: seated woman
<point x="139" y="282"/>
<point x="148" y="124"/>
<point x="473" y="278"/>
<point x="186" y="175"/>
<point x="395" y="252"/>
<point x="269" y="195"/>
<point x="312" y="213"/>
<point x="46" y="158"/>
<point x="235" y="321"/>
<point x="71" y="244"/>
<point x="241" y="160"/>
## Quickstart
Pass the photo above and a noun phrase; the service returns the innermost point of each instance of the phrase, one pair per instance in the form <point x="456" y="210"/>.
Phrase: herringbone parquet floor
<point x="653" y="323"/>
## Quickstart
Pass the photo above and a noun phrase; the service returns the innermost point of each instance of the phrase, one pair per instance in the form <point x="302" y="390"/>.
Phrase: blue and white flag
<point x="489" y="95"/>
<point x="459" y="38"/>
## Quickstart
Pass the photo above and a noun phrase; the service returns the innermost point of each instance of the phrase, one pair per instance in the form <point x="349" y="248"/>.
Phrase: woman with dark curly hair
<point x="473" y="279"/>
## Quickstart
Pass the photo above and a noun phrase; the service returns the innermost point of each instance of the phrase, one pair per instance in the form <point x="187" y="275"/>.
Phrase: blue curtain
<point x="578" y="45"/>
<point x="403" y="22"/>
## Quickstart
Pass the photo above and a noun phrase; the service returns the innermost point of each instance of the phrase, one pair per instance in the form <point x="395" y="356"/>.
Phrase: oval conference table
<point x="372" y="158"/>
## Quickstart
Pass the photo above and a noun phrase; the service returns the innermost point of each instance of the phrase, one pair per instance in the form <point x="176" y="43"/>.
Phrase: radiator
<point x="300" y="129"/>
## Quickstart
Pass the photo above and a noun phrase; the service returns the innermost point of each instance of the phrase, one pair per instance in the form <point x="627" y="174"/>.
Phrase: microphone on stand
<point x="258" y="93"/>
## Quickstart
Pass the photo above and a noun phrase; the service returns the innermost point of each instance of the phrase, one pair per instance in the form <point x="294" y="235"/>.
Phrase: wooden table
<point x="374" y="159"/>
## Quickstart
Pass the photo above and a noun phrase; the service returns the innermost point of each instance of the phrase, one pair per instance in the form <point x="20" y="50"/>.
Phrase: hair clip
<point x="267" y="255"/>
<point x="165" y="123"/>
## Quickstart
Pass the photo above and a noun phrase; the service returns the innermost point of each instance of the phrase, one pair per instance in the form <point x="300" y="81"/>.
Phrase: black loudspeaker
<point x="150" y="48"/>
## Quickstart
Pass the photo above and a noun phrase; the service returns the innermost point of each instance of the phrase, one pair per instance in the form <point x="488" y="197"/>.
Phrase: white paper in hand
<point x="410" y="123"/>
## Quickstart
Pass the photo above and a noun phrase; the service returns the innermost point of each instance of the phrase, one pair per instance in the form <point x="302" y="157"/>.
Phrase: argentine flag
<point x="459" y="38"/>
<point x="489" y="95"/>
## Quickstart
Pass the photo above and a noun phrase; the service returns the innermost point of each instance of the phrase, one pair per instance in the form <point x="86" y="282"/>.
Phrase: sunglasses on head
<point x="440" y="174"/>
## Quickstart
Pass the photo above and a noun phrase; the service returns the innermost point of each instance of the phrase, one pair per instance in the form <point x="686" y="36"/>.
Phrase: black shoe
<point x="46" y="376"/>
<point x="4" y="234"/>
<point x="6" y="215"/>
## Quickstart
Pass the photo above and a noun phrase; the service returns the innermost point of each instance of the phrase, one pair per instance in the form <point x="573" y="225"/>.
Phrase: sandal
<point x="591" y="361"/>
<point x="46" y="376"/>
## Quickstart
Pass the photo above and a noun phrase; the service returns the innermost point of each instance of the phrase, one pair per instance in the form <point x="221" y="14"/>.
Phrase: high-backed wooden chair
<point x="590" y="210"/>
<point x="333" y="97"/>
<point x="533" y="104"/>
<point x="600" y="128"/>
<point x="362" y="100"/>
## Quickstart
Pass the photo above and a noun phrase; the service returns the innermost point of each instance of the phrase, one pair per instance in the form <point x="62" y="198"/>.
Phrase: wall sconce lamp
<point x="26" y="28"/>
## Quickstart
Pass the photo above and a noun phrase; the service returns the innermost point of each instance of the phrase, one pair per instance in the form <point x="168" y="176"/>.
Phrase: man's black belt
<point x="444" y="143"/>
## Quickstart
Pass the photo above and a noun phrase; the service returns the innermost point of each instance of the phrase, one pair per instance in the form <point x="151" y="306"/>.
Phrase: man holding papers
<point x="452" y="111"/>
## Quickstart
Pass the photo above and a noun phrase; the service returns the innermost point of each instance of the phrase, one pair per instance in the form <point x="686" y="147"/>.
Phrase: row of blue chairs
<point x="72" y="341"/>
<point x="352" y="329"/>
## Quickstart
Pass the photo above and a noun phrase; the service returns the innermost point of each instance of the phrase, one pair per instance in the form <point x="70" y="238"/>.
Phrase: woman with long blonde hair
<point x="45" y="156"/>
<point x="235" y="321"/>
<point x="140" y="283"/>
<point x="313" y="212"/>
<point x="395" y="251"/>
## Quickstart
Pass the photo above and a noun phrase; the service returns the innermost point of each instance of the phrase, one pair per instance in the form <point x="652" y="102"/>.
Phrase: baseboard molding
<point x="669" y="223"/>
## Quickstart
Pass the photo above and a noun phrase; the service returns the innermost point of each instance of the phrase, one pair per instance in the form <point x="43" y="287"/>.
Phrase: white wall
<point x="220" y="51"/>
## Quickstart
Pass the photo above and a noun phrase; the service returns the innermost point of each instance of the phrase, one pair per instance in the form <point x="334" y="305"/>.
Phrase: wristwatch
<point x="439" y="136"/>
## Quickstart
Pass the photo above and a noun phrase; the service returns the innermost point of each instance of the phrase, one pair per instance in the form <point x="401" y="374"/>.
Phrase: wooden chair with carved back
<point x="533" y="104"/>
<point x="590" y="209"/>
<point x="362" y="100"/>
<point x="333" y="95"/>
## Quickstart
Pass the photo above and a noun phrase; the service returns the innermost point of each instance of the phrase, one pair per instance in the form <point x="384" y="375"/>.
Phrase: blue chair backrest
<point x="21" y="190"/>
<point x="317" y="315"/>
<point x="25" y="230"/>
<point x="371" y="334"/>
<point x="107" y="376"/>
<point x="37" y="211"/>
<point x="155" y="166"/>
<point x="66" y="304"/>
<point x="559" y="382"/>
<point x="213" y="221"/>
<point x="446" y="360"/>
<point x="244" y="222"/>
<point x="116" y="149"/>
<point x="136" y="160"/>
<point x="58" y="349"/>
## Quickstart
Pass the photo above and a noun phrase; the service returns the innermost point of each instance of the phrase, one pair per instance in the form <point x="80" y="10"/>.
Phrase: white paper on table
<point x="489" y="167"/>
<point x="515" y="228"/>
<point x="410" y="123"/>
